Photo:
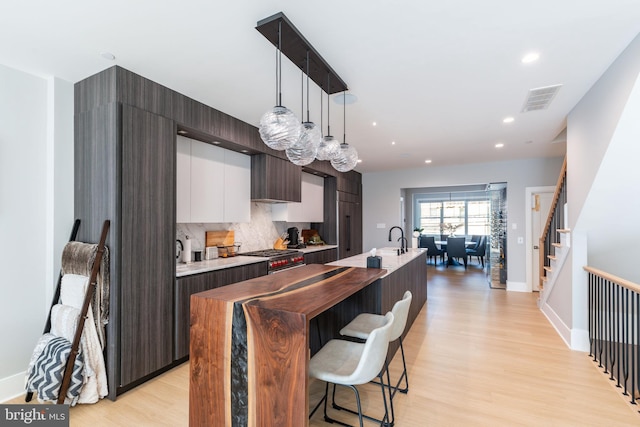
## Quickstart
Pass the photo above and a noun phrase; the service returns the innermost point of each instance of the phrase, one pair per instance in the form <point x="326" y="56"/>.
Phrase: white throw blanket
<point x="72" y="293"/>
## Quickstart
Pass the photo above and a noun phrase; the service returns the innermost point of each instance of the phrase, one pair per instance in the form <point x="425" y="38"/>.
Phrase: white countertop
<point x="236" y="261"/>
<point x="390" y="259"/>
<point x="316" y="248"/>
<point x="216" y="264"/>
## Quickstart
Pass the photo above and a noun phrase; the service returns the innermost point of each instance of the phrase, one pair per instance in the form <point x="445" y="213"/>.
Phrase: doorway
<point x="538" y="204"/>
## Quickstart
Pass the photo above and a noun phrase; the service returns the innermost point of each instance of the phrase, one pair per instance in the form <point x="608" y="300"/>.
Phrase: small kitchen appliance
<point x="294" y="239"/>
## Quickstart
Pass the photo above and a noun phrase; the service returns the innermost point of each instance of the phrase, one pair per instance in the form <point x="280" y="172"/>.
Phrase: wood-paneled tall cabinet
<point x="349" y="192"/>
<point x="125" y="172"/>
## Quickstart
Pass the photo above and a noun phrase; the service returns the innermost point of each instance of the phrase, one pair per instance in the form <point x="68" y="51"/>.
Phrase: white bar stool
<point x="364" y="323"/>
<point x="350" y="363"/>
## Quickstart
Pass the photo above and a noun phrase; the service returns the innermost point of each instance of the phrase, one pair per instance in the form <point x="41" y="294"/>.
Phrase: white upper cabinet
<point x="237" y="187"/>
<point x="207" y="175"/>
<point x="310" y="209"/>
<point x="183" y="180"/>
<point x="213" y="184"/>
<point x="312" y="197"/>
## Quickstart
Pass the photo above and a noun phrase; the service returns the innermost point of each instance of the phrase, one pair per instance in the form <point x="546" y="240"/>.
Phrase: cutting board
<point x="308" y="234"/>
<point x="220" y="238"/>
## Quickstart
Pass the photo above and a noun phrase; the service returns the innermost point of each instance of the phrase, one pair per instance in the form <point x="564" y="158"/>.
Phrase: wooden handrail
<point x="612" y="278"/>
<point x="554" y="205"/>
<point x="556" y="196"/>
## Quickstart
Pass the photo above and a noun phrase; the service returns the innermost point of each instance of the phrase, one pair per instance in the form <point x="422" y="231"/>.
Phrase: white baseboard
<point x="555" y="320"/>
<point x="575" y="339"/>
<point x="12" y="387"/>
<point x="580" y="340"/>
<point x="517" y="286"/>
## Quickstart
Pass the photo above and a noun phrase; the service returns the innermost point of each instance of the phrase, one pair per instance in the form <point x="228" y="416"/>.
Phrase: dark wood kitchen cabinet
<point x="192" y="284"/>
<point x="321" y="257"/>
<point x="275" y="179"/>
<point x="124" y="171"/>
<point x="148" y="170"/>
<point x="349" y="225"/>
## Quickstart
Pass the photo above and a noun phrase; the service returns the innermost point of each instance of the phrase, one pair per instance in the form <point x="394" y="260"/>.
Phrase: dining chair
<point x="475" y="239"/>
<point x="456" y="249"/>
<point x="349" y="363"/>
<point x="429" y="242"/>
<point x="479" y="251"/>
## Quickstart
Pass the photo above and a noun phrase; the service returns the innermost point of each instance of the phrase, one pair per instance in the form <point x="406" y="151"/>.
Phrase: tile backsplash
<point x="260" y="233"/>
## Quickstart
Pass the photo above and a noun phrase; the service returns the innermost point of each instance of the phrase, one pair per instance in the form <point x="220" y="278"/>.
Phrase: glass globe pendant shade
<point x="279" y="128"/>
<point x="305" y="150"/>
<point x="346" y="159"/>
<point x="328" y="149"/>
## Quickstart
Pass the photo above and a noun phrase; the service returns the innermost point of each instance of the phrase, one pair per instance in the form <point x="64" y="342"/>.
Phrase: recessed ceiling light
<point x="359" y="160"/>
<point x="508" y="120"/>
<point x="393" y="143"/>
<point x="108" y="55"/>
<point x="374" y="124"/>
<point x="499" y="145"/>
<point x="427" y="161"/>
<point x="216" y="142"/>
<point x="530" y="57"/>
<point x="182" y="132"/>
<point x="244" y="151"/>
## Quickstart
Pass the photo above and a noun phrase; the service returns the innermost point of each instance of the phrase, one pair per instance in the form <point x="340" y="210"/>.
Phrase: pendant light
<point x="279" y="127"/>
<point x="304" y="151"/>
<point x="329" y="146"/>
<point x="347" y="156"/>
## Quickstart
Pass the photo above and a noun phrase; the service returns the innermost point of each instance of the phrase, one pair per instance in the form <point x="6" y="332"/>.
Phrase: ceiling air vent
<point x="540" y="98"/>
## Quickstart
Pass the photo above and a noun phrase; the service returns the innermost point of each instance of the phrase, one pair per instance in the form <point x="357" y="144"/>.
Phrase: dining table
<point x="442" y="244"/>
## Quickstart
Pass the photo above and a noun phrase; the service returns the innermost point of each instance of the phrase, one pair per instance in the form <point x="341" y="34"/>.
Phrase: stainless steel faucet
<point x="402" y="239"/>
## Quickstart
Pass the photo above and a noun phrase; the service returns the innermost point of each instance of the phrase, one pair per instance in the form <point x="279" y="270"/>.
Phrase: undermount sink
<point x="387" y="252"/>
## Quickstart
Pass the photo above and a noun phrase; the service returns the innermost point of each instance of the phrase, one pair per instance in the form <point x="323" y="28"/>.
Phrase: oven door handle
<point x="282" y="270"/>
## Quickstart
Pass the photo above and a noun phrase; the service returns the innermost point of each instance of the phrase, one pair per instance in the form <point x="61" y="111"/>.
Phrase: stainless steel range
<point x="279" y="260"/>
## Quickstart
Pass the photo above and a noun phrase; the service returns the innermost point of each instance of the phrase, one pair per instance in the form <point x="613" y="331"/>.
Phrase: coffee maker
<point x="294" y="239"/>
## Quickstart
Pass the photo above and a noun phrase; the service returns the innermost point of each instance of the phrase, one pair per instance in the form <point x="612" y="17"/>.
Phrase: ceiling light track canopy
<point x="295" y="47"/>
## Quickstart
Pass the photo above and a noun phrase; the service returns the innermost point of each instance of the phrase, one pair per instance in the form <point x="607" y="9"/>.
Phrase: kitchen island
<point x="251" y="341"/>
<point x="250" y="344"/>
<point x="406" y="271"/>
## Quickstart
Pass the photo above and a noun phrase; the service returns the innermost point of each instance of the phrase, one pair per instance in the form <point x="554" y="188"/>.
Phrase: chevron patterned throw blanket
<point x="45" y="375"/>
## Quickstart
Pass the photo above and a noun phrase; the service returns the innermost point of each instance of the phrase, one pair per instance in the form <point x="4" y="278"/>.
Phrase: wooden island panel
<point x="250" y="344"/>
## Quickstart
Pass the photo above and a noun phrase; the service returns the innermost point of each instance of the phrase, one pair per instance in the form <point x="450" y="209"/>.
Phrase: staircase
<point x="555" y="241"/>
<point x="556" y="260"/>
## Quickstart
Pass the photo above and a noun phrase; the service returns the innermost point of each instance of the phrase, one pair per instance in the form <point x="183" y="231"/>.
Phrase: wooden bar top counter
<point x="250" y="344"/>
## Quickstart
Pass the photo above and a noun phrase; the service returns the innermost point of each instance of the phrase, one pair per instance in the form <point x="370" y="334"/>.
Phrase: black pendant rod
<point x="280" y="62"/>
<point x="344" y="118"/>
<point x="308" y="87"/>
<point x="321" y="111"/>
<point x="328" y="111"/>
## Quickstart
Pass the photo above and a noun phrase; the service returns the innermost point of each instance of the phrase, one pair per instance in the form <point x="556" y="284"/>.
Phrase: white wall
<point x="36" y="137"/>
<point x="602" y="171"/>
<point x="382" y="190"/>
<point x="592" y="123"/>
<point x="611" y="212"/>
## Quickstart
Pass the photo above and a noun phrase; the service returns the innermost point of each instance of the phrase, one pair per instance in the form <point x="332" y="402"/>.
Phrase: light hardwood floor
<point x="477" y="357"/>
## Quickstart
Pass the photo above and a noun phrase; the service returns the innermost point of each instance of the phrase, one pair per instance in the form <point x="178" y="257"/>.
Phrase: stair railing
<point x="555" y="222"/>
<point x="614" y="329"/>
